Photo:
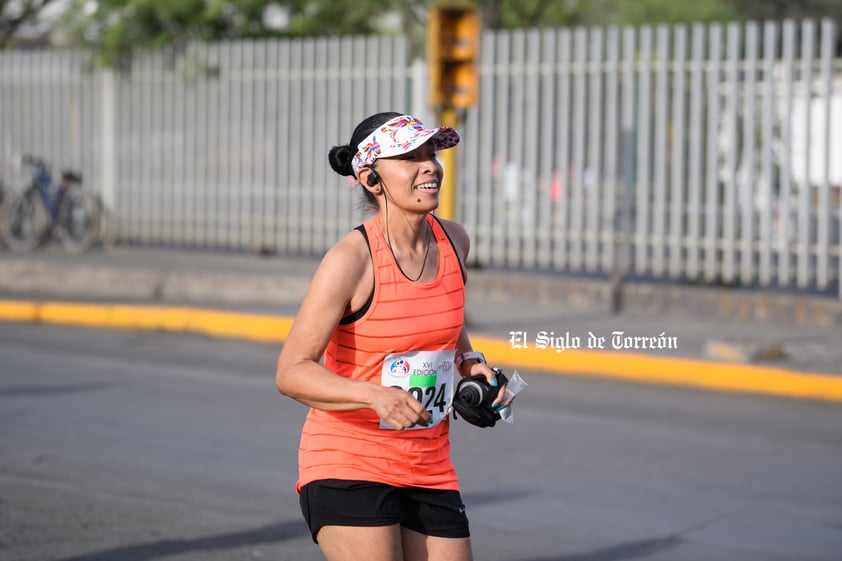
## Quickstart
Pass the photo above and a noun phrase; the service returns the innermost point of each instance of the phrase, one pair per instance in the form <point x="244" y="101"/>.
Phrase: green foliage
<point x="119" y="26"/>
<point x="514" y="14"/>
<point x="114" y="28"/>
<point x="335" y="17"/>
<point x="675" y="11"/>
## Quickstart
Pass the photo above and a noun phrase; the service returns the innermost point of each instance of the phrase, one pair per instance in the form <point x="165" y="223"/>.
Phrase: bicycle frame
<point x="43" y="179"/>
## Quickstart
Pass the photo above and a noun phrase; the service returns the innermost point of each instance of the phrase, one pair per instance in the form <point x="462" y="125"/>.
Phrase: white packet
<point x="515" y="386"/>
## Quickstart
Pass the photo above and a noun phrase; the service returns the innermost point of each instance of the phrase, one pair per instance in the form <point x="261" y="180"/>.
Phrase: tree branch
<point x="535" y="17"/>
<point x="9" y="26"/>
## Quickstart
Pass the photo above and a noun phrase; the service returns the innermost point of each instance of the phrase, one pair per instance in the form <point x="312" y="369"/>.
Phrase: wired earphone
<point x="373" y="178"/>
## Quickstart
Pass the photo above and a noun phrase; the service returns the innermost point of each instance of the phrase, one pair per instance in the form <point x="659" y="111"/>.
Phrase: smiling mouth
<point x="427" y="187"/>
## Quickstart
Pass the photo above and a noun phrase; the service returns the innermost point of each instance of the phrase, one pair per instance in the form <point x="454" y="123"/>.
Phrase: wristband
<point x="462" y="357"/>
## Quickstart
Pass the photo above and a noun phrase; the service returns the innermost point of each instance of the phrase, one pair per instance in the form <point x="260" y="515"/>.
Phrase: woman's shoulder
<point x="349" y="253"/>
<point x="342" y="266"/>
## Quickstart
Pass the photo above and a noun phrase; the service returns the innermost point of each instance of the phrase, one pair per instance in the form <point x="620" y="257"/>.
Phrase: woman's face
<point x="412" y="180"/>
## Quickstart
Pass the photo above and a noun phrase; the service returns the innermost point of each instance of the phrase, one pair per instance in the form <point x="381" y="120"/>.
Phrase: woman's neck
<point x="404" y="231"/>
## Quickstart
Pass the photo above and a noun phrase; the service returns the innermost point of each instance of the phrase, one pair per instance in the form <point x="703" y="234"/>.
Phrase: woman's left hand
<point x="477" y="367"/>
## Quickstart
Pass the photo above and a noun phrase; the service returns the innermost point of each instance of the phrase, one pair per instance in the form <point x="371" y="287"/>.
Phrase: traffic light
<point x="453" y="36"/>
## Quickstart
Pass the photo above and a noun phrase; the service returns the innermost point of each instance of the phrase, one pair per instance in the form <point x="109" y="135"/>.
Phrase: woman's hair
<point x="340" y="156"/>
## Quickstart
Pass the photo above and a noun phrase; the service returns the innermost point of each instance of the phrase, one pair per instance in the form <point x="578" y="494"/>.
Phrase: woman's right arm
<point x="299" y="373"/>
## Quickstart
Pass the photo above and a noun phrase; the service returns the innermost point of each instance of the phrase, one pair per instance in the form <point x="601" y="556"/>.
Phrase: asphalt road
<point x="143" y="446"/>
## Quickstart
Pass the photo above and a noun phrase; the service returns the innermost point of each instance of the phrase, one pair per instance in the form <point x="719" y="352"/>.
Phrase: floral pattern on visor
<point x="400" y="135"/>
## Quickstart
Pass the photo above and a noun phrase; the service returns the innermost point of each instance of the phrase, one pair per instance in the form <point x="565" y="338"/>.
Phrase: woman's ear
<point x="370" y="179"/>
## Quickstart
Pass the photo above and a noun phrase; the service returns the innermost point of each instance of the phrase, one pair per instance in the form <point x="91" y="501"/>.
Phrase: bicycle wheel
<point x="24" y="221"/>
<point x="78" y="220"/>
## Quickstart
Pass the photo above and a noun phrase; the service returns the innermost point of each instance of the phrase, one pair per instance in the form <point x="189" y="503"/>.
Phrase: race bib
<point x="427" y="375"/>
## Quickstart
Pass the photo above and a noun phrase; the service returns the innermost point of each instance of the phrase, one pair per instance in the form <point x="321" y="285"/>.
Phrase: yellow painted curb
<point x="720" y="376"/>
<point x="235" y="325"/>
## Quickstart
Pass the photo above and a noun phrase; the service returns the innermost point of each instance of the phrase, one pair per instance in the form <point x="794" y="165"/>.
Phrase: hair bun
<point x="340" y="159"/>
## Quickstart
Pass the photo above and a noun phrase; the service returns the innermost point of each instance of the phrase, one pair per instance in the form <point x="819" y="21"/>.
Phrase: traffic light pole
<point x="453" y="38"/>
<point x="448" y="117"/>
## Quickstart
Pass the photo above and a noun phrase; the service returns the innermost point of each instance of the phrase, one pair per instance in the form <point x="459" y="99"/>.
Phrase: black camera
<point x="474" y="396"/>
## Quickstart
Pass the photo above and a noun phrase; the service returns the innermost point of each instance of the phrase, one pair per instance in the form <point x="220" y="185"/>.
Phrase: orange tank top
<point x="402" y="317"/>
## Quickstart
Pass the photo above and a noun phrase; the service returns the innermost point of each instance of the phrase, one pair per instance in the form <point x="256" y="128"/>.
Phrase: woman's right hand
<point x="399" y="408"/>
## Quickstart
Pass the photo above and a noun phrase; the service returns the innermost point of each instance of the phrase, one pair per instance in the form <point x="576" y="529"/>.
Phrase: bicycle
<point x="44" y="210"/>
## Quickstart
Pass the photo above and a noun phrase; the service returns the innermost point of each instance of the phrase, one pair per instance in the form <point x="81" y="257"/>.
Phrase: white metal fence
<point x="706" y="153"/>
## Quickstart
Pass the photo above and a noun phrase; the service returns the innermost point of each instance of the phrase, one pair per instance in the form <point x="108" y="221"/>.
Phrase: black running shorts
<point x="335" y="502"/>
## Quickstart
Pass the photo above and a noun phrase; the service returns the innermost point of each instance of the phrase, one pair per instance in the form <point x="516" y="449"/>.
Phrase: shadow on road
<point x="621" y="552"/>
<point x="634" y="549"/>
<point x="272" y="533"/>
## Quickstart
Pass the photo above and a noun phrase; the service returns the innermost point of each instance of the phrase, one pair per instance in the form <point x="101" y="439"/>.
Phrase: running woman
<point x="375" y="350"/>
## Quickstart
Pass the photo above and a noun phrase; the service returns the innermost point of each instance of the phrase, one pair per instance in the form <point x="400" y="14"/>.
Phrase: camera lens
<point x="471" y="392"/>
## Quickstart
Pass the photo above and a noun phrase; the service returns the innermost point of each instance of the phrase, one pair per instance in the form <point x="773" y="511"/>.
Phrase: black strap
<point x="461" y="266"/>
<point x="351" y="318"/>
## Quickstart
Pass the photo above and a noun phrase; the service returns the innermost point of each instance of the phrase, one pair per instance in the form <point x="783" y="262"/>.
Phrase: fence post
<point x="108" y="140"/>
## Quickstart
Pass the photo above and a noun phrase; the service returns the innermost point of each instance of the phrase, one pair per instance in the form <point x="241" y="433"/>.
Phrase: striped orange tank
<point x="402" y="317"/>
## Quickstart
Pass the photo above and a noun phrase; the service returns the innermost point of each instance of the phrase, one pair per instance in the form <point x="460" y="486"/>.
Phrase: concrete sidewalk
<point x="730" y="340"/>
